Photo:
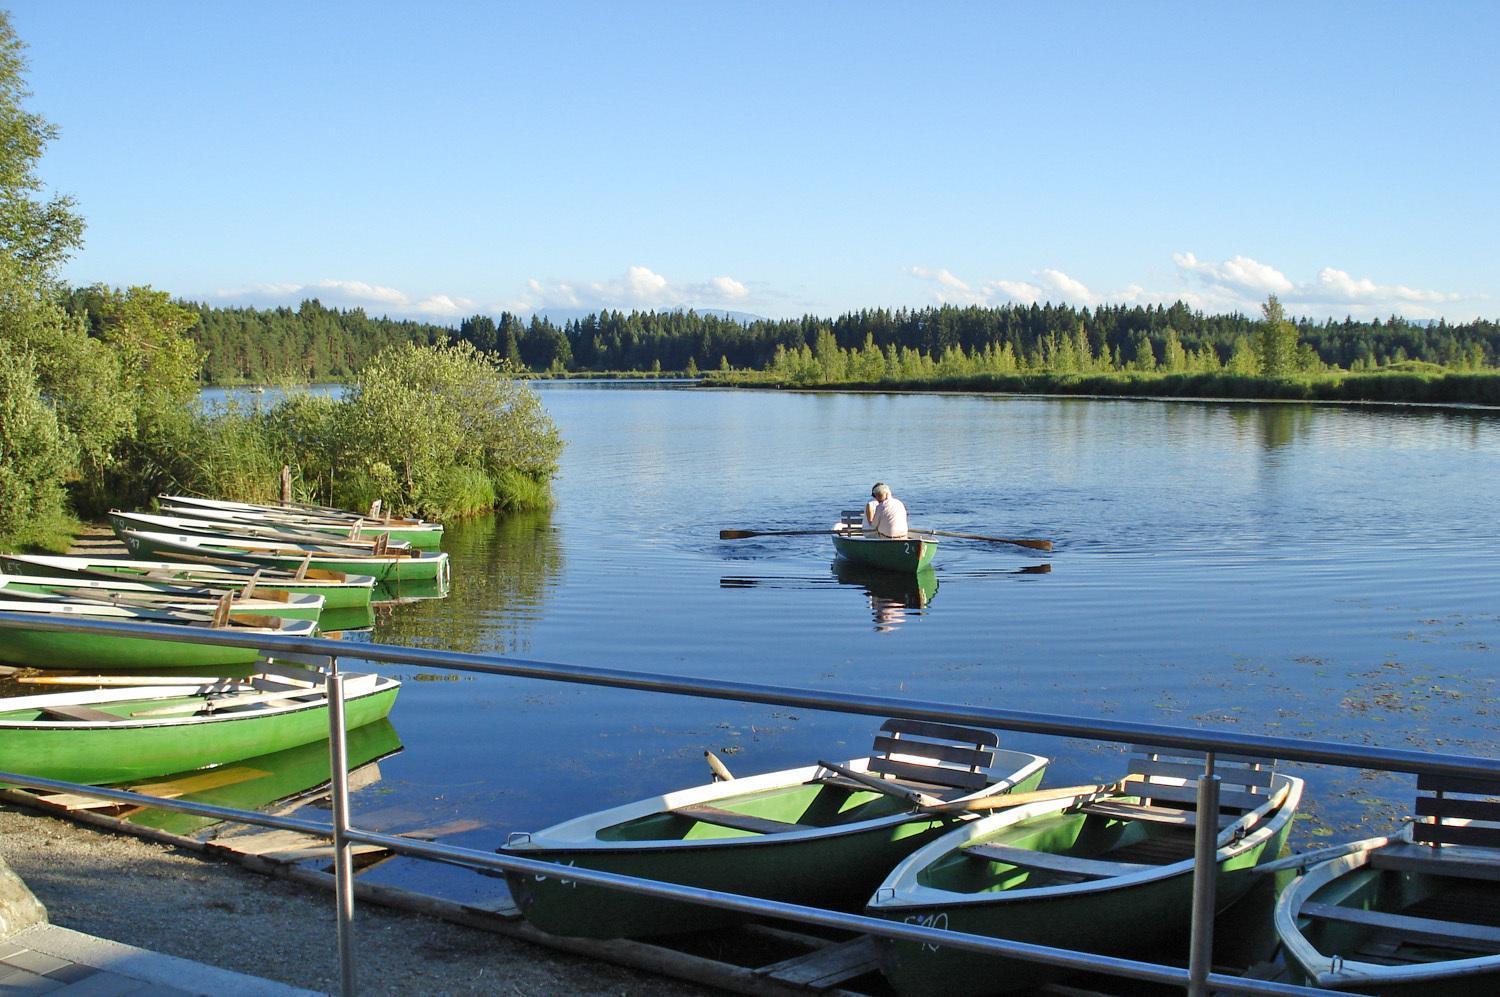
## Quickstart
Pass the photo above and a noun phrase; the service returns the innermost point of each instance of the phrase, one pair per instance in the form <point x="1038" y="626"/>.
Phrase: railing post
<point x="343" y="856"/>
<point x="1205" y="878"/>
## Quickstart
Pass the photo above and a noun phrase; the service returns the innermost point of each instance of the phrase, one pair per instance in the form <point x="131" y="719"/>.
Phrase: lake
<point x="1289" y="569"/>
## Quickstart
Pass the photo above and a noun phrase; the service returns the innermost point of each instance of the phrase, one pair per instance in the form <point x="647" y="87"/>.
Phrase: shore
<point x="155" y="897"/>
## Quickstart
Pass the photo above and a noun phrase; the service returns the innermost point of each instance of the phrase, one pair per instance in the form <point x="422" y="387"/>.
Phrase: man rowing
<point x="884" y="513"/>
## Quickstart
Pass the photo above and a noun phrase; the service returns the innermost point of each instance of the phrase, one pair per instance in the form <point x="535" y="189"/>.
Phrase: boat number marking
<point x="906" y="548"/>
<point x="573" y="884"/>
<point x="938" y="920"/>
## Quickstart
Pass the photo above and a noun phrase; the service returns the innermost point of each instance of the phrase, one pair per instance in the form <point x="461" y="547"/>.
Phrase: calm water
<point x="1302" y="571"/>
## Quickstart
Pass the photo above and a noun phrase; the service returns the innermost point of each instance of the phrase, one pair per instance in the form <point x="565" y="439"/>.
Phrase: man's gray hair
<point x="881" y="491"/>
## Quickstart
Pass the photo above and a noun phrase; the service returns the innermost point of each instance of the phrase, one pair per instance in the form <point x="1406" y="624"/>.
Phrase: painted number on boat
<point x="541" y="878"/>
<point x="938" y="920"/>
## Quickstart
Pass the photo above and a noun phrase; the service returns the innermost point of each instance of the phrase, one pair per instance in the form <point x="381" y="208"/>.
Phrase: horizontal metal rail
<point x="1062" y="725"/>
<point x="455" y="855"/>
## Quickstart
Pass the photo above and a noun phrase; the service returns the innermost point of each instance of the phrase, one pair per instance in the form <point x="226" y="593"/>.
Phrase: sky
<point x="446" y="159"/>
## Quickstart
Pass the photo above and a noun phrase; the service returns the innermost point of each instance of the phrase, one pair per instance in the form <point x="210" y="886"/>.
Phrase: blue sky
<point x="444" y="159"/>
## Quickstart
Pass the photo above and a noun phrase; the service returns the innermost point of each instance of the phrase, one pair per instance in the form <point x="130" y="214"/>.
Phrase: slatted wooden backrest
<point x="852" y="519"/>
<point x="932" y="753"/>
<point x="1454" y="797"/>
<point x="1244" y="780"/>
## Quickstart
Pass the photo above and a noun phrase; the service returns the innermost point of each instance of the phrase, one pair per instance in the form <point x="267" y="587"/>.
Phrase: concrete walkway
<point x="47" y="959"/>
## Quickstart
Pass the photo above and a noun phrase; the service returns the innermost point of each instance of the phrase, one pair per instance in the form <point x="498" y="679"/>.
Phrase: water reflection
<point x="889" y="593"/>
<point x="254" y="783"/>
<point x="504" y="568"/>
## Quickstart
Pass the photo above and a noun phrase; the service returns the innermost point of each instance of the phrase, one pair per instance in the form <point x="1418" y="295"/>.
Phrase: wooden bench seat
<point x="741" y="822"/>
<point x="1458" y="862"/>
<point x="80" y="713"/>
<point x="1155" y="815"/>
<point x="1075" y="865"/>
<point x="1419" y="930"/>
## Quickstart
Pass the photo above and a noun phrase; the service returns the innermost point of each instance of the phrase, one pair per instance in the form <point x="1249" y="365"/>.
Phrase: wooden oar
<point x="745" y="534"/>
<point x="882" y="786"/>
<point x="721" y="771"/>
<point x="1007" y="800"/>
<point x="1019" y="542"/>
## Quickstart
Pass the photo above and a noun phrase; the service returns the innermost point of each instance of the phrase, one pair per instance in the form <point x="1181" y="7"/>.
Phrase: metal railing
<point x="1196" y="978"/>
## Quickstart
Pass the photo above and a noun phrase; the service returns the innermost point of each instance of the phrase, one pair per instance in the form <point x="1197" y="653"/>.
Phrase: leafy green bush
<point x="36" y="452"/>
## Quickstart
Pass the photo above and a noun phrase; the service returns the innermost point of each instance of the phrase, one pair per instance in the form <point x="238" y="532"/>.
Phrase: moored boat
<point x="250" y="533"/>
<point x="820" y="834"/>
<point x="107" y="652"/>
<point x="117" y="734"/>
<point x="339" y="590"/>
<point x="154" y="595"/>
<point x="1414" y="913"/>
<point x="1108" y="870"/>
<point x="288" y="508"/>
<point x="411" y="564"/>
<point x="418" y="534"/>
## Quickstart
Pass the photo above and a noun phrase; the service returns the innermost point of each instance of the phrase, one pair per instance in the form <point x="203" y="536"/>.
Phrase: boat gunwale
<point x="908" y="894"/>
<point x="550" y="839"/>
<point x="234" y="572"/>
<point x="1353" y="972"/>
<point x="278" y="550"/>
<point x="382" y="684"/>
<point x="187" y="593"/>
<point x="168" y="616"/>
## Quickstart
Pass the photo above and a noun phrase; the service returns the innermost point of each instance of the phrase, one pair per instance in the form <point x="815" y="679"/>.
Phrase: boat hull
<point x="117" y="752"/>
<point x="427" y="536"/>
<point x="909" y="555"/>
<point x="834" y="867"/>
<point x="1335" y="955"/>
<point x="1134" y="917"/>
<point x="428" y="566"/>
<point x="349" y="591"/>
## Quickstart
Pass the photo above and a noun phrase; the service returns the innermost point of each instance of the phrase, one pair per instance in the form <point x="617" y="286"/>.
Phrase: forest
<point x="316" y="343"/>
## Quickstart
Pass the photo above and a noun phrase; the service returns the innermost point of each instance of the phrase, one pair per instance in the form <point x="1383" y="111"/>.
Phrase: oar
<point x="882" y="786"/>
<point x="744" y="534"/>
<point x="721" y="771"/>
<point x="1019" y="542"/>
<point x="1007" y="800"/>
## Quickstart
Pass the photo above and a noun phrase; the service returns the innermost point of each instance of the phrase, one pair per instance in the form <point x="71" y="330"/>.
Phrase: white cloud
<point x="639" y="287"/>
<point x="374" y="298"/>
<point x="1238" y="284"/>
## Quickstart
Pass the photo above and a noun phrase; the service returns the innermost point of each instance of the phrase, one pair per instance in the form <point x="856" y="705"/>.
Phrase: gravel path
<point x="155" y="897"/>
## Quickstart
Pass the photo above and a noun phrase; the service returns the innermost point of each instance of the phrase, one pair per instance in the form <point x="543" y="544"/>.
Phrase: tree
<point x="1276" y="342"/>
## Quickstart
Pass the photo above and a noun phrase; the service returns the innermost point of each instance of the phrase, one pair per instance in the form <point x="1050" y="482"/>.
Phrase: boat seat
<point x="1457" y="862"/>
<point x="933" y="755"/>
<point x="1458" y="812"/>
<point x="1027" y="858"/>
<point x="852" y="520"/>
<point x="1154" y="815"/>
<point x="1417" y="930"/>
<point x="80" y="713"/>
<point x="742" y="822"/>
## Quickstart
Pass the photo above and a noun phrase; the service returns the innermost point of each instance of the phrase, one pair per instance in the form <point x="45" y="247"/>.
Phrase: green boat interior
<point x="1152" y="825"/>
<point x="908" y="756"/>
<point x="1418" y="902"/>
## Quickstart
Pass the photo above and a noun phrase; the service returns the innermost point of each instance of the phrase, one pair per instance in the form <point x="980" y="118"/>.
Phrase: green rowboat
<point x="411" y="565"/>
<point x="418" y="534"/>
<point x="1413" y="913"/>
<point x="153" y="595"/>
<point x="338" y="589"/>
<point x="1107" y="870"/>
<point x="114" y="735"/>
<point x="241" y="532"/>
<point x="106" y="652"/>
<point x="908" y="554"/>
<point x="805" y="835"/>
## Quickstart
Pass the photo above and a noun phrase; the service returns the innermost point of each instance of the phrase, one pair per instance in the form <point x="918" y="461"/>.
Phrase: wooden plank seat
<point x="742" y="822"/>
<point x="941" y="755"/>
<point x="1074" y="865"/>
<point x="1458" y="812"/>
<point x="1417" y="930"/>
<point x="1459" y="863"/>
<point x="87" y="713"/>
<point x="1154" y="815"/>
<point x="1170" y="776"/>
